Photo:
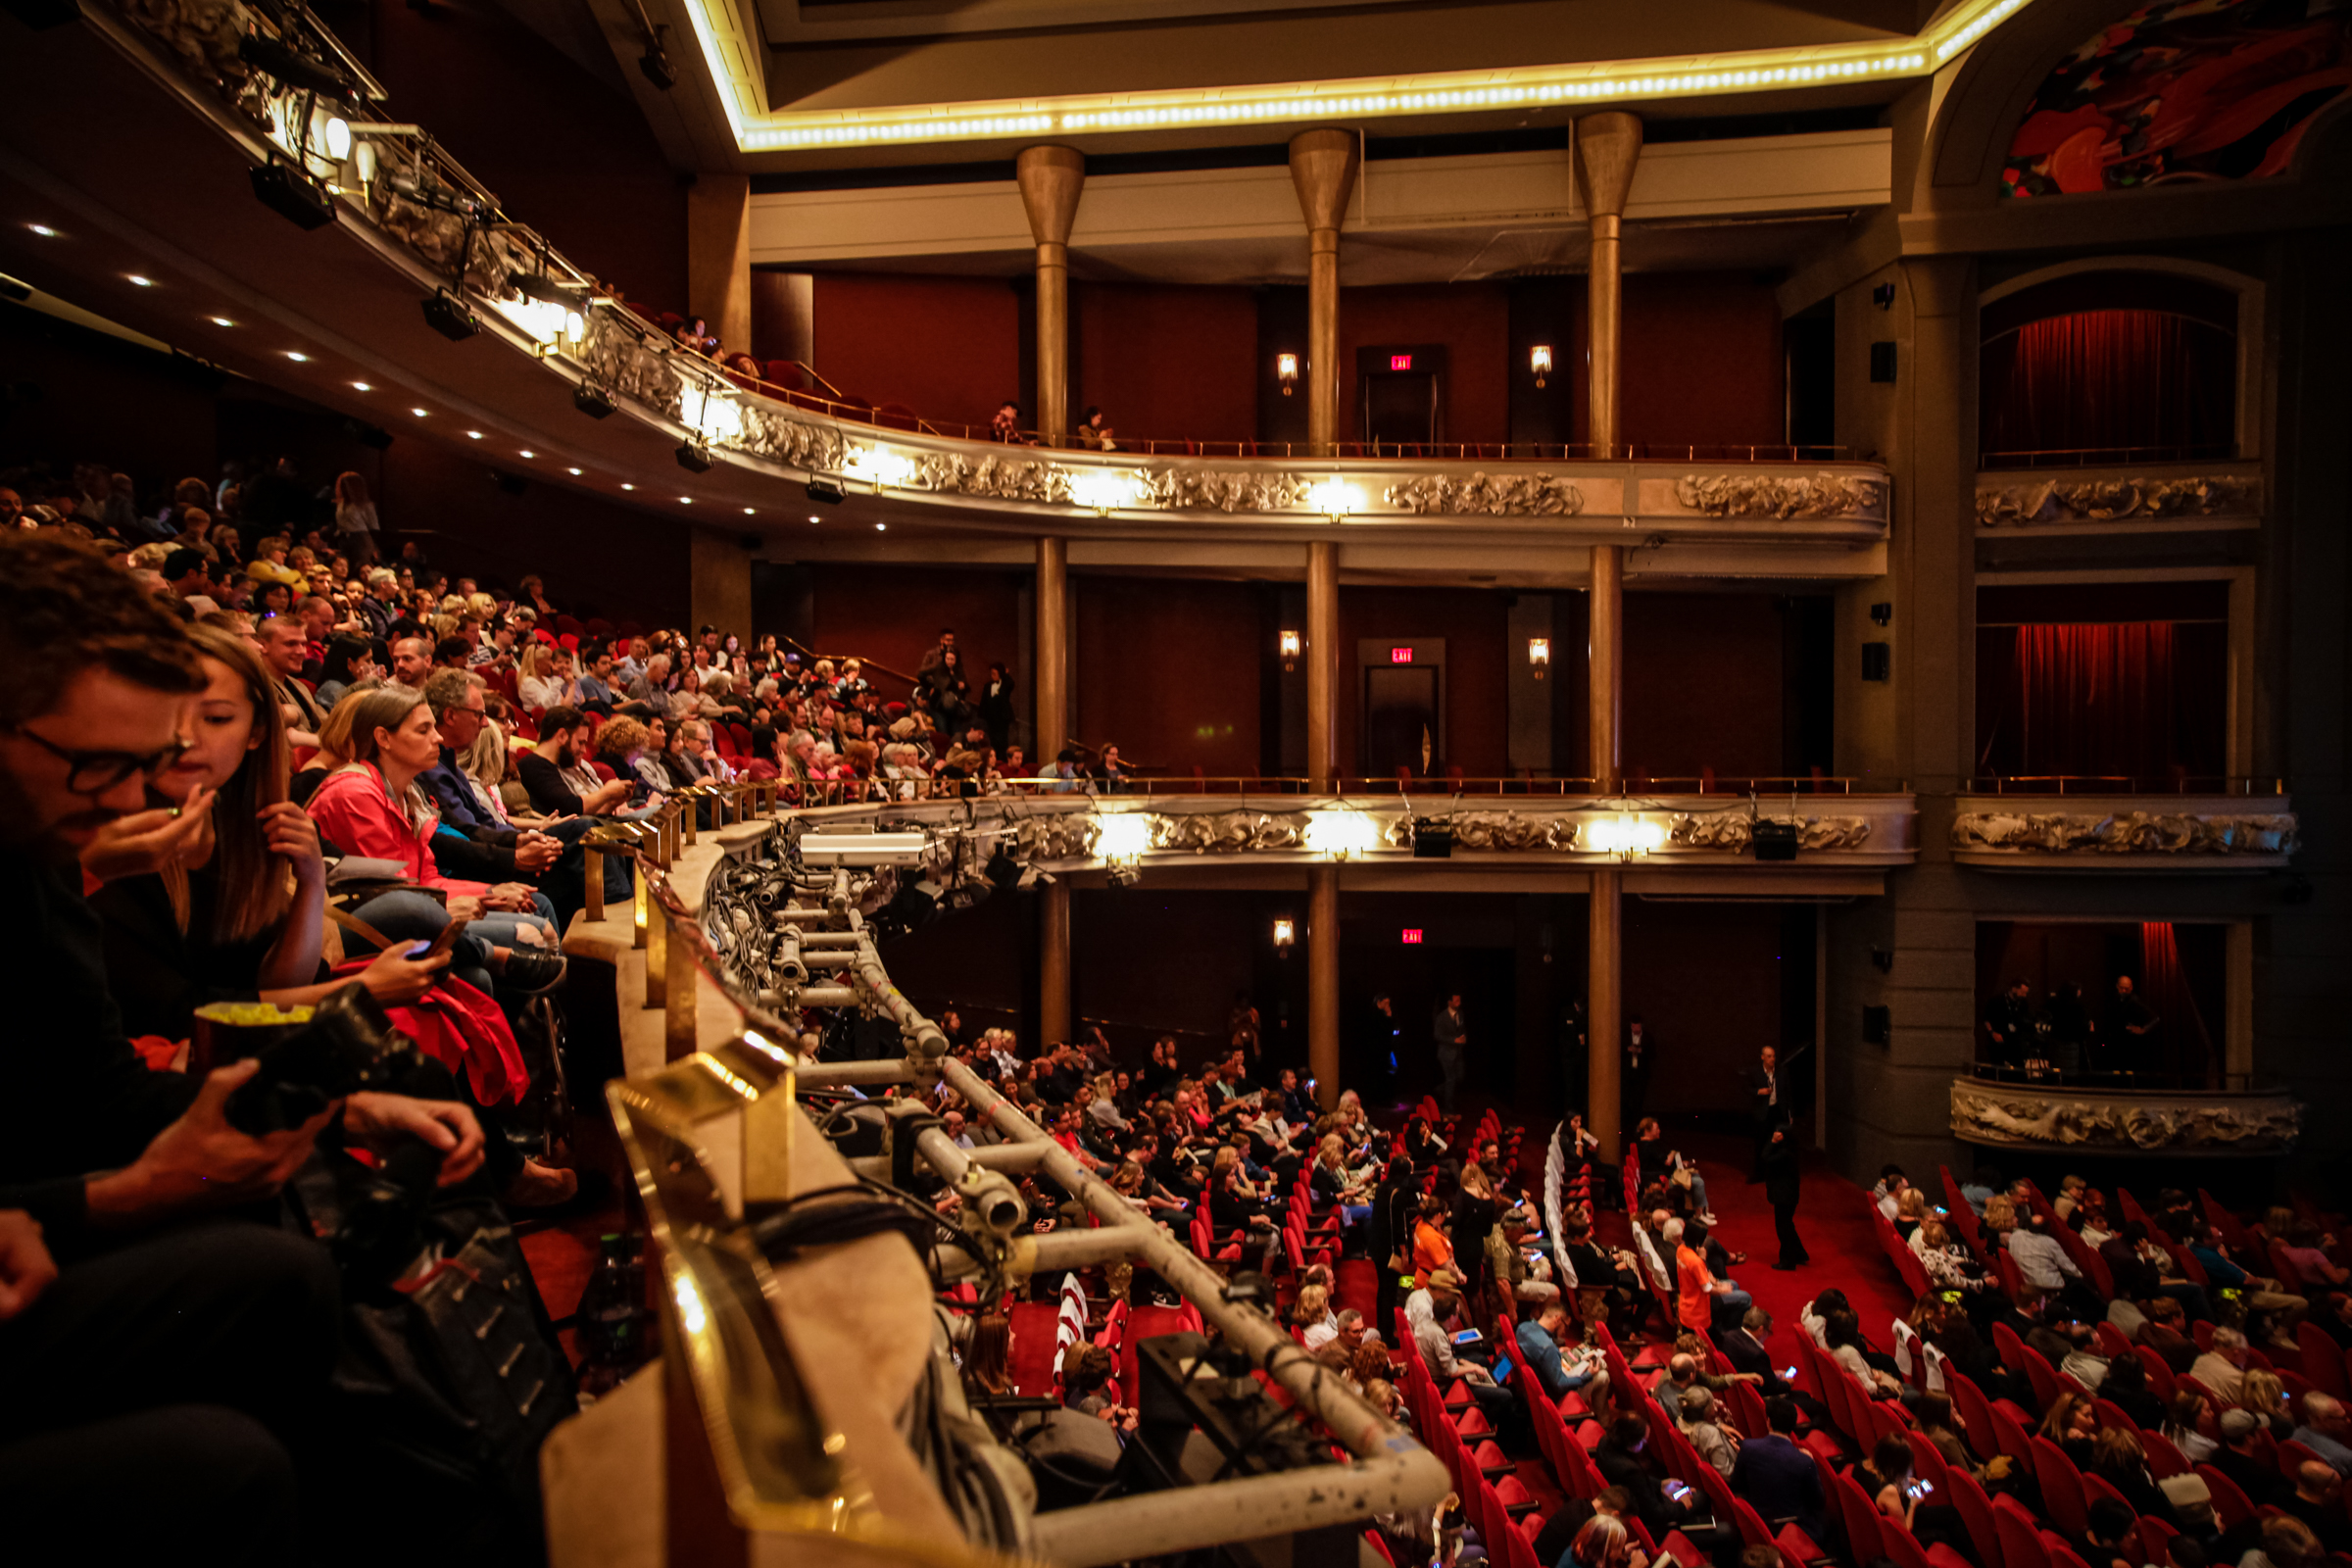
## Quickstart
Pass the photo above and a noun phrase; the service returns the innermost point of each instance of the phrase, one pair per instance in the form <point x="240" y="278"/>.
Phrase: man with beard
<point x="556" y="774"/>
<point x="163" y="1356"/>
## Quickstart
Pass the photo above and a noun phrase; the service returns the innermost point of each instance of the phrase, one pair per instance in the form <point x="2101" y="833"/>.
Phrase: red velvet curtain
<point x="2087" y="701"/>
<point x="2164" y="987"/>
<point x="2108" y="381"/>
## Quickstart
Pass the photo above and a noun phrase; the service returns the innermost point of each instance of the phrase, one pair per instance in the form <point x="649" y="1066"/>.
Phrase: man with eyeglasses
<point x="159" y="1347"/>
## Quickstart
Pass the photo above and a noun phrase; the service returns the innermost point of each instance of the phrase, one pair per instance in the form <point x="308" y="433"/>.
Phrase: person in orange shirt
<point x="1701" y="1301"/>
<point x="1432" y="1250"/>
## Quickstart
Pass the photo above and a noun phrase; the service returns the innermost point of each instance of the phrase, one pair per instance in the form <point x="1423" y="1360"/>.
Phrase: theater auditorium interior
<point x="1316" y="782"/>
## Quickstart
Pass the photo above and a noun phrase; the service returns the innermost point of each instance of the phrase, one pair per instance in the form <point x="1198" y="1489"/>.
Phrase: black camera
<point x="347" y="1045"/>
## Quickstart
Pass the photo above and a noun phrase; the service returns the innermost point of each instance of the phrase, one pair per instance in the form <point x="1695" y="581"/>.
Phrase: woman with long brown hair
<point x="356" y="522"/>
<point x="220" y="895"/>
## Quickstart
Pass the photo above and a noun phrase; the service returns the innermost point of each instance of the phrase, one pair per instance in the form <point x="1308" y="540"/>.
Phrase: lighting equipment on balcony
<point x="1539" y="655"/>
<point x="694" y="458"/>
<point x="825" y="491"/>
<point x="1103" y="490"/>
<point x="1291" y="644"/>
<point x="449" y="316"/>
<point x="1432" y="839"/>
<point x="1122" y="837"/>
<point x="1773" y="839"/>
<point x="655" y="61"/>
<point x="1340" y="835"/>
<point x="1336" y="499"/>
<point x="592" y="400"/>
<point x="1539" y="359"/>
<point x="1285" y="936"/>
<point x="1628" y="836"/>
<point x="335" y="138"/>
<point x="293" y="68"/>
<point x="293" y="195"/>
<point x="1286" y="370"/>
<point x="539" y="286"/>
<point x="878" y="466"/>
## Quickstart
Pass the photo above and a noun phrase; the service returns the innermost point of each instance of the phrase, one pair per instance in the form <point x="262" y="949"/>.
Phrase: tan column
<point x="1323" y="166"/>
<point x="718" y="256"/>
<point x="1050" y="180"/>
<point x="1607" y="146"/>
<point x="1322" y="664"/>
<point x="1053" y="964"/>
<point x="1049" y="682"/>
<point x="1323" y="983"/>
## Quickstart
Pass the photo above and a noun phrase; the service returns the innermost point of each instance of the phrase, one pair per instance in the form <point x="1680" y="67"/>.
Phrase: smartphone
<point x="442" y="942"/>
<point x="1915" y="1490"/>
<point x="1676" y="1489"/>
<point x="1789" y="1373"/>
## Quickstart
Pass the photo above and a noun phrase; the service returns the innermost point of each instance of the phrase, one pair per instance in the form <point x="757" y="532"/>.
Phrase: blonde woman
<point x="538" y="685"/>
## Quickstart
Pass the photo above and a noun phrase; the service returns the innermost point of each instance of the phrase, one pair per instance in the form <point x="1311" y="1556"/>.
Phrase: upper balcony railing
<point x="2123" y="784"/>
<point x="280" y="81"/>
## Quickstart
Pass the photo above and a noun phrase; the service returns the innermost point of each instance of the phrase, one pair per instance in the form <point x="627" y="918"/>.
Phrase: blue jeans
<point x="407" y="916"/>
<point x="1729" y="1307"/>
<point x="1354" y="1214"/>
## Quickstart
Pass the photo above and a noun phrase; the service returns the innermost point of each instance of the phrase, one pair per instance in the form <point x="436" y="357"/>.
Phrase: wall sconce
<point x="1121" y="838"/>
<point x="878" y="467"/>
<point x="1625" y="835"/>
<point x="1539" y="359"/>
<point x="1103" y="490"/>
<point x="1335" y="498"/>
<point x="1340" y="835"/>
<point x="1286" y="935"/>
<point x="1539" y="655"/>
<point x="1289" y="652"/>
<point x="1286" y="370"/>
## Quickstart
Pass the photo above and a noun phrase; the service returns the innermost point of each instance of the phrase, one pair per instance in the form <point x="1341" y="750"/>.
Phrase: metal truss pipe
<point x="1157" y="1523"/>
<point x="840" y="1074"/>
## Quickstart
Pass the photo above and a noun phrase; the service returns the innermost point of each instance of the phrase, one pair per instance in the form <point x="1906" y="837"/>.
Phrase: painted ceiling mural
<point x="2198" y="91"/>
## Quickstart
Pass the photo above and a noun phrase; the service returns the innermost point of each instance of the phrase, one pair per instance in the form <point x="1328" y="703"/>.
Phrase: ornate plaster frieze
<point x="1733" y="831"/>
<point x="1229" y="832"/>
<point x="2025" y="1114"/>
<point x="1783" y="496"/>
<point x="2126" y="833"/>
<point x="1061" y="837"/>
<point x="1495" y="832"/>
<point x="1224" y="489"/>
<point x="2053" y="501"/>
<point x="1480" y="495"/>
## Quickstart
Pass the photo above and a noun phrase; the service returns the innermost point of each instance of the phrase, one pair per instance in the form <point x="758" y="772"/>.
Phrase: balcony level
<point x="148" y="220"/>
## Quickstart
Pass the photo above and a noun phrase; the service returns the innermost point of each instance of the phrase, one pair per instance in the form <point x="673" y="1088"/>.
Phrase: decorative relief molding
<point x="1224" y="490"/>
<point x="1732" y="831"/>
<point x="1508" y="495"/>
<point x="1229" y="832"/>
<point x="997" y="478"/>
<point x="1493" y="832"/>
<point x="622" y="361"/>
<point x="2125" y="833"/>
<point x="1066" y="837"/>
<point x="2021" y="505"/>
<point x="1768" y="495"/>
<point x="2009" y="1113"/>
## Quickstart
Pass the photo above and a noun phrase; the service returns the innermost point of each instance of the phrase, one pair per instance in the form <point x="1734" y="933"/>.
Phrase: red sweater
<point x="356" y="812"/>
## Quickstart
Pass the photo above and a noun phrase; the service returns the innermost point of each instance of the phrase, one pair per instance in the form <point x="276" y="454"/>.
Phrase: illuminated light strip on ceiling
<point x="761" y="129"/>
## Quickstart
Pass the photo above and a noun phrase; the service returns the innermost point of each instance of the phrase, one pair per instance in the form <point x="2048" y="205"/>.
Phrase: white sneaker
<point x="1708" y="1220"/>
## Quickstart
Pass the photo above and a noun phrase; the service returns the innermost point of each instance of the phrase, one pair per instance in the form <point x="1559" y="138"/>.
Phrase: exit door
<point x="1401" y="721"/>
<point x="1400" y="392"/>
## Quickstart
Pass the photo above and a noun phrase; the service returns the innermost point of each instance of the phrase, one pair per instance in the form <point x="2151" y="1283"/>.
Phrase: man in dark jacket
<point x="1621" y="1463"/>
<point x="1778" y="1479"/>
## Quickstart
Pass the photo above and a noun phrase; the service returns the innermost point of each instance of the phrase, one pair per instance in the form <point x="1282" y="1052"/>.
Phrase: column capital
<point x="1051" y="178"/>
<point x="1607" y="145"/>
<point x="1323" y="168"/>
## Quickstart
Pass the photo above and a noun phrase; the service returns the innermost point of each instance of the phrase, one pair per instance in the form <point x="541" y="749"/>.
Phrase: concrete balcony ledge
<point x="2218" y="495"/>
<point x="2171" y="834"/>
<point x="2196" y="1123"/>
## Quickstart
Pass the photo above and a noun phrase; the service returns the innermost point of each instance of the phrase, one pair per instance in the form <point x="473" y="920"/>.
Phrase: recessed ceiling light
<point x="222" y="321"/>
<point x="298" y="357"/>
<point x="572" y="471"/>
<point x="361" y="386"/>
<point x="143" y="283"/>
<point x="749" y="513"/>
<point x="473" y="435"/>
<point x="628" y="487"/>
<point x="528" y="455"/>
<point x="881" y="527"/>
<point x="685" y="500"/>
<point x="419" y="413"/>
<point x="813" y="518"/>
<point x="42" y="229"/>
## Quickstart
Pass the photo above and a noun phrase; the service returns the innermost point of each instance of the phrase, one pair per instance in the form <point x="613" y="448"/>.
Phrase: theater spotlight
<point x="293" y="195"/>
<point x="1775" y="841"/>
<point x="448" y="315"/>
<point x="826" y="491"/>
<point x="654" y="63"/>
<point x="592" y="400"/>
<point x="1432" y="840"/>
<point x="694" y="458"/>
<point x="1003" y="871"/>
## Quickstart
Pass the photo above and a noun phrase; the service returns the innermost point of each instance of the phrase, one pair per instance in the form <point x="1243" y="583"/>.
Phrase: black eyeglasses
<point x="96" y="772"/>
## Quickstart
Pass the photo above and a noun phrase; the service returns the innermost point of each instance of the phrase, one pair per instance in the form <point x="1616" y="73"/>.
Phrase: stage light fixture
<point x="293" y="68"/>
<point x="1774" y="840"/>
<point x="293" y="195"/>
<point x="592" y="400"/>
<point x="654" y="63"/>
<point x="1432" y="840"/>
<point x="694" y="458"/>
<point x="449" y="316"/>
<point x="827" y="493"/>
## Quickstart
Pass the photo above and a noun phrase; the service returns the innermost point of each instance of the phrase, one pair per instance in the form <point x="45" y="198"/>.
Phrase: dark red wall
<point x="1706" y="1033"/>
<point x="563" y="151"/>
<point x="1703" y="684"/>
<point x="949" y="348"/>
<point x="1702" y="360"/>
<point x="1167" y="361"/>
<point x="894" y="614"/>
<point x="1168" y="671"/>
<point x="1474" y="322"/>
<point x="1471" y="620"/>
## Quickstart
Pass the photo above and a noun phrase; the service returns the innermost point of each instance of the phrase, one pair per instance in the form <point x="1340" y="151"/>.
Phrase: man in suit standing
<point x="1452" y="1036"/>
<point x="1766" y="1110"/>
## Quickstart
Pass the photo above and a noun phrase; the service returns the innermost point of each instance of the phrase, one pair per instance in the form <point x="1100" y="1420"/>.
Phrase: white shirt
<point x="2040" y="1261"/>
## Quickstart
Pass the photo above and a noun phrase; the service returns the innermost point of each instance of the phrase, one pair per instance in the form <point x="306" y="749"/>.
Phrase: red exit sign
<point x="1400" y="362"/>
<point x="1401" y="656"/>
<point x="1410" y="935"/>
